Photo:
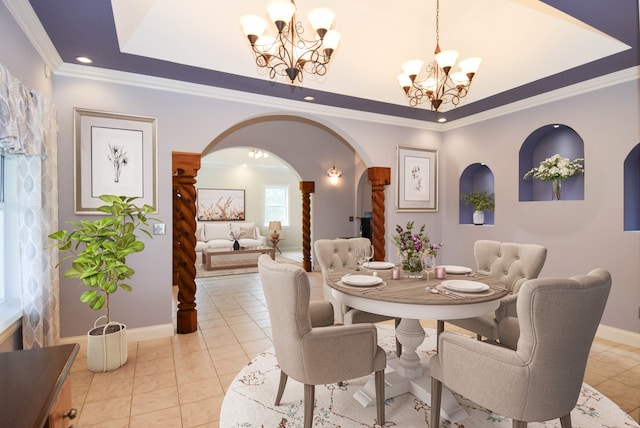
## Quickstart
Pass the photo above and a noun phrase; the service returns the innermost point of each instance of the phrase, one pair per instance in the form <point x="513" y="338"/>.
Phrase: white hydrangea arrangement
<point x="556" y="167"/>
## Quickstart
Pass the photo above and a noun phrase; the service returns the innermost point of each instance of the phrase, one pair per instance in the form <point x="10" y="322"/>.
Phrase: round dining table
<point x="412" y="300"/>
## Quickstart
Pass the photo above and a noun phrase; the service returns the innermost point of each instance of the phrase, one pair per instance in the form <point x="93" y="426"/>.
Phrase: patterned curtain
<point x="28" y="129"/>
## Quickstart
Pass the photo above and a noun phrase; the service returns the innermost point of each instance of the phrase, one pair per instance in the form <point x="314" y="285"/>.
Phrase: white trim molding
<point x="133" y="335"/>
<point x="618" y="335"/>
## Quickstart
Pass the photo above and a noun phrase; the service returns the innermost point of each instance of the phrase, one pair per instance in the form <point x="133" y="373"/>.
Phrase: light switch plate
<point x="158" y="229"/>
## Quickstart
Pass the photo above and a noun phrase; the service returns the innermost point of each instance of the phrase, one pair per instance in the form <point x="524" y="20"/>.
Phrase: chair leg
<point x="398" y="344"/>
<point x="519" y="424"/>
<point x="309" y="398"/>
<point x="565" y="421"/>
<point x="281" y="385"/>
<point x="379" y="380"/>
<point x="436" y="402"/>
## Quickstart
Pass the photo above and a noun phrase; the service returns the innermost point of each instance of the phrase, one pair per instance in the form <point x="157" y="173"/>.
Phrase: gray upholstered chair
<point x="513" y="264"/>
<point x="540" y="379"/>
<point x="308" y="348"/>
<point x="339" y="254"/>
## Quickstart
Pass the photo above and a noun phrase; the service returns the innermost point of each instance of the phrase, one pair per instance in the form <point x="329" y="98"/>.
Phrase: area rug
<point x="249" y="401"/>
<point x="201" y="272"/>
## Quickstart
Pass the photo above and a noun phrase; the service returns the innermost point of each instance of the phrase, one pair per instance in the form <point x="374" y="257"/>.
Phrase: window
<point x="276" y="204"/>
<point x="3" y="250"/>
<point x="10" y="293"/>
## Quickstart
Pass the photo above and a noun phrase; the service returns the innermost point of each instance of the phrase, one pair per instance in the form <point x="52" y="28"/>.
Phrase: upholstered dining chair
<point x="308" y="347"/>
<point x="513" y="264"/>
<point x="535" y="374"/>
<point x="339" y="254"/>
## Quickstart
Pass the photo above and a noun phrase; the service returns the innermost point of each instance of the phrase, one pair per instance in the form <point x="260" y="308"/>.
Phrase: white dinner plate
<point x="465" y="286"/>
<point x="378" y="265"/>
<point x="361" y="280"/>
<point x="457" y="270"/>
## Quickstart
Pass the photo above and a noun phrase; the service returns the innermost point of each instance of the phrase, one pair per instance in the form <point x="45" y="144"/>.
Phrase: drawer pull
<point x="71" y="414"/>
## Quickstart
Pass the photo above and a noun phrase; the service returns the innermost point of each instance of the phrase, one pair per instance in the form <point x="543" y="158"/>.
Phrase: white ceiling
<point x="519" y="41"/>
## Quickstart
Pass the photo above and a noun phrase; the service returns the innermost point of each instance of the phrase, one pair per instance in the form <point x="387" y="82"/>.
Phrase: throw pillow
<point x="249" y="232"/>
<point x="200" y="232"/>
<point x="217" y="231"/>
<point x="249" y="229"/>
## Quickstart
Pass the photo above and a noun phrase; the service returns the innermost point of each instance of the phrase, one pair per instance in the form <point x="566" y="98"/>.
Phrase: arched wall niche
<point x="632" y="190"/>
<point x="476" y="177"/>
<point x="542" y="143"/>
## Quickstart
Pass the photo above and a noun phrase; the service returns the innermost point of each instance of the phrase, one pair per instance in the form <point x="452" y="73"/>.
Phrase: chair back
<point x="287" y="292"/>
<point x="338" y="253"/>
<point x="510" y="262"/>
<point x="558" y="319"/>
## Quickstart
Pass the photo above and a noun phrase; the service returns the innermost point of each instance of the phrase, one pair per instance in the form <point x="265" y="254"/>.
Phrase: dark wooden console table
<point x="36" y="389"/>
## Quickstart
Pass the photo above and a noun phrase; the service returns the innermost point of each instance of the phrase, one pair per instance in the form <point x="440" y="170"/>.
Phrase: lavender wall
<point x="580" y="234"/>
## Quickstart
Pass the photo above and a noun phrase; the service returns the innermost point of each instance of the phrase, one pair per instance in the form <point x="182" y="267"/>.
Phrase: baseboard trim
<point x="133" y="335"/>
<point x="614" y="334"/>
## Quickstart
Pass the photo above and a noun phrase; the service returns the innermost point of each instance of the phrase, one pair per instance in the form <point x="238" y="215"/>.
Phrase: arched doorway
<point x="311" y="148"/>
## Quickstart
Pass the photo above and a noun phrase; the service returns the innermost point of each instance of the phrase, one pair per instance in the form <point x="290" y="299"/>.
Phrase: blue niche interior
<point x="632" y="190"/>
<point x="476" y="177"/>
<point x="541" y="144"/>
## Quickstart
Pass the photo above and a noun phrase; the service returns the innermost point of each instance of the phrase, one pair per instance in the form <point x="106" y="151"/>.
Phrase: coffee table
<point x="226" y="258"/>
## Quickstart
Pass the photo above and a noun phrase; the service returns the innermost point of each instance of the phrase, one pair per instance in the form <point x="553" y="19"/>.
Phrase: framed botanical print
<point x="115" y="154"/>
<point x="417" y="179"/>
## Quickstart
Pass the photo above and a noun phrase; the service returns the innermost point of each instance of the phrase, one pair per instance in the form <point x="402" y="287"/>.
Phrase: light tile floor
<point x="181" y="381"/>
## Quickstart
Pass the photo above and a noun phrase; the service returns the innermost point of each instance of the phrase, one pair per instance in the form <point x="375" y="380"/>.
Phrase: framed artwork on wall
<point x="220" y="204"/>
<point x="115" y="154"/>
<point x="417" y="180"/>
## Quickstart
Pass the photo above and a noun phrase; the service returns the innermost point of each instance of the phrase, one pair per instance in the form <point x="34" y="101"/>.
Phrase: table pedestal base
<point x="420" y="387"/>
<point x="408" y="375"/>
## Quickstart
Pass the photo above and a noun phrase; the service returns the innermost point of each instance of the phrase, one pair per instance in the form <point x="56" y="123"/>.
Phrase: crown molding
<point x="28" y="21"/>
<point x="187" y="88"/>
<point x="601" y="82"/>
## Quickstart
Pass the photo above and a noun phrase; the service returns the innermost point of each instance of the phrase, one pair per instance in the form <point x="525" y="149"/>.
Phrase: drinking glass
<point x="359" y="254"/>
<point x="368" y="253"/>
<point x="428" y="265"/>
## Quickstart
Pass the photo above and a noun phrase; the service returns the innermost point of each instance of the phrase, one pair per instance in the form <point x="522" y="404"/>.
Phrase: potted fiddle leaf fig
<point x="99" y="249"/>
<point x="480" y="201"/>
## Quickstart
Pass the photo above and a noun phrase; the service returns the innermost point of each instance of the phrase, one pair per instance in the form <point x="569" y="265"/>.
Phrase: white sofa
<point x="218" y="235"/>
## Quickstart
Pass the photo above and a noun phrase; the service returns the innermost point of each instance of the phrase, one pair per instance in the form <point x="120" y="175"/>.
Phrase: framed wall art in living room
<point x="220" y="204"/>
<point x="115" y="154"/>
<point x="417" y="179"/>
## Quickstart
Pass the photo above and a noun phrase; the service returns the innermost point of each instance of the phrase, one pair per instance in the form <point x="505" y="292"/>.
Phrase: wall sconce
<point x="334" y="173"/>
<point x="275" y="226"/>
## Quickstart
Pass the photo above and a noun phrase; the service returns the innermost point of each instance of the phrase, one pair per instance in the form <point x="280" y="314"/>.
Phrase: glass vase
<point x="556" y="185"/>
<point x="412" y="266"/>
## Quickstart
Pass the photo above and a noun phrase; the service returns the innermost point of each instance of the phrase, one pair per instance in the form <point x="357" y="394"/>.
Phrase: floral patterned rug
<point x="249" y="401"/>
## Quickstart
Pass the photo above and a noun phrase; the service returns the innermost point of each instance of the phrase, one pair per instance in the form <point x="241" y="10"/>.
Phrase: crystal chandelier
<point x="440" y="85"/>
<point x="289" y="54"/>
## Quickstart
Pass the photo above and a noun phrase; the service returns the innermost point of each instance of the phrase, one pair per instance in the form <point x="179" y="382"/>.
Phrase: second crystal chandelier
<point x="440" y="85"/>
<point x="289" y="54"/>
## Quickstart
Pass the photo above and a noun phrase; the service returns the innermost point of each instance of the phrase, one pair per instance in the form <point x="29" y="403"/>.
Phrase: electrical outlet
<point x="158" y="229"/>
<point x="350" y="218"/>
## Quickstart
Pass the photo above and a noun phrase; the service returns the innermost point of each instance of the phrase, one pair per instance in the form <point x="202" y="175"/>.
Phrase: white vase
<point x="106" y="350"/>
<point x="478" y="217"/>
